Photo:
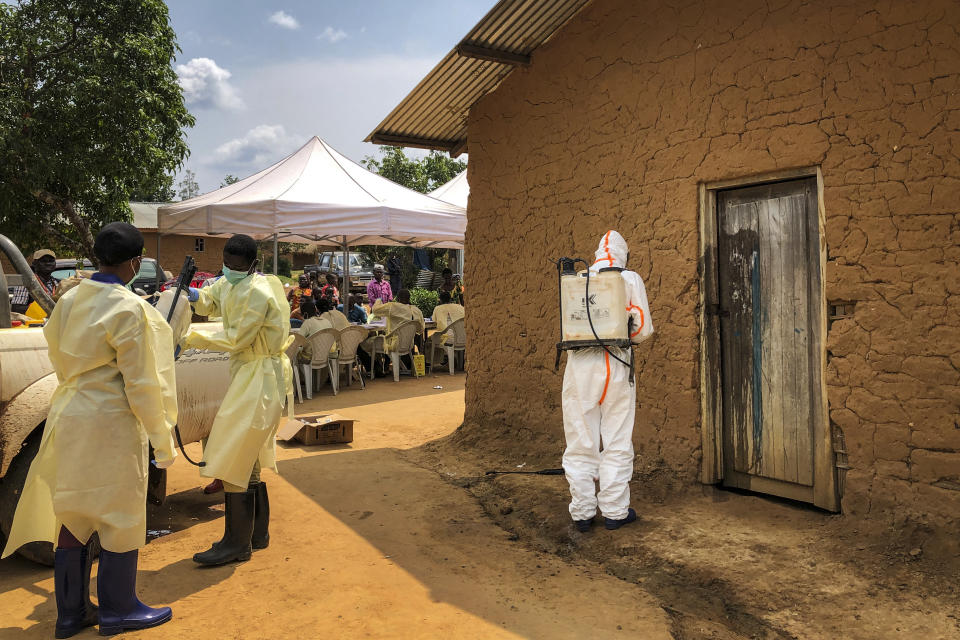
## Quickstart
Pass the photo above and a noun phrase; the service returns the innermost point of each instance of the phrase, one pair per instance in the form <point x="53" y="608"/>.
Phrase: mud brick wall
<point x="634" y="103"/>
<point x="173" y="249"/>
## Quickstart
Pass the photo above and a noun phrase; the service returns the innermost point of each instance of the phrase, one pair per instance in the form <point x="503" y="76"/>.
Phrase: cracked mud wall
<point x="615" y="123"/>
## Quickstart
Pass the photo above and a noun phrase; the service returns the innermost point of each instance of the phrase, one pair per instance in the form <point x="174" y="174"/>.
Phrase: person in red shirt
<point x="330" y="290"/>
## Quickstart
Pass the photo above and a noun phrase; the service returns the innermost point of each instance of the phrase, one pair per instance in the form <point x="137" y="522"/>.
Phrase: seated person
<point x="336" y="318"/>
<point x="358" y="313"/>
<point x="396" y="312"/>
<point x="444" y="314"/>
<point x="312" y="323"/>
<point x="447" y="312"/>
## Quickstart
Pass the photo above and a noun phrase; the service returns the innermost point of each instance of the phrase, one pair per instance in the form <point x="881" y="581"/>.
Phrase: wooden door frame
<point x="711" y="379"/>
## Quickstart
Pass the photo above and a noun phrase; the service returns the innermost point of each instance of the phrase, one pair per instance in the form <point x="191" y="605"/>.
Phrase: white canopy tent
<point x="318" y="195"/>
<point x="455" y="191"/>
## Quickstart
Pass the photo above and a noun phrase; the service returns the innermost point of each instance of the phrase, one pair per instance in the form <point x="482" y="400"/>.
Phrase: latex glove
<point x="193" y="294"/>
<point x="163" y="464"/>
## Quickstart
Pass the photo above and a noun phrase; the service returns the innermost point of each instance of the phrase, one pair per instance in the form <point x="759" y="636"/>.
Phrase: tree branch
<point x="66" y="207"/>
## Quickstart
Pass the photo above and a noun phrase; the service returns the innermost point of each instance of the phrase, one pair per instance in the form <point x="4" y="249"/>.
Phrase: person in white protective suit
<point x="113" y="356"/>
<point x="599" y="403"/>
<point x="256" y="333"/>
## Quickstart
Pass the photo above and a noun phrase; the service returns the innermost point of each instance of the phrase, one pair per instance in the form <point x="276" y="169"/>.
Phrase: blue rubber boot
<point x="120" y="609"/>
<point x="611" y="524"/>
<point x="71" y="584"/>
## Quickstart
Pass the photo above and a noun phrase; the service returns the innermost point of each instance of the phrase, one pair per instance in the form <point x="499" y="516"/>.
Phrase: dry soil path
<point x="363" y="544"/>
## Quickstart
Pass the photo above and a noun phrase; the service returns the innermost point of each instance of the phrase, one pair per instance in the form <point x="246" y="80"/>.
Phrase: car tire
<point x="11" y="486"/>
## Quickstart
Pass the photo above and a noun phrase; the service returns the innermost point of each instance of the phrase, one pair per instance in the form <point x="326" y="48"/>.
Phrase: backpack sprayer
<point x="593" y="319"/>
<point x="187" y="272"/>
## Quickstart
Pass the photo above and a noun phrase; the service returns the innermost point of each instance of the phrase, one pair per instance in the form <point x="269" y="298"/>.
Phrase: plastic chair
<point x="350" y="339"/>
<point x="453" y="340"/>
<point x="321" y="344"/>
<point x="405" y="332"/>
<point x="293" y="352"/>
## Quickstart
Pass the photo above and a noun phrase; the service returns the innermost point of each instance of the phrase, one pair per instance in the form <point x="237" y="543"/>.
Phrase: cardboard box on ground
<point x="329" y="428"/>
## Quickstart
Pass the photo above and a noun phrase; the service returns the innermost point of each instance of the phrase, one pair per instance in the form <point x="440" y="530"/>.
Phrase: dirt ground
<point x="364" y="544"/>
<point x="726" y="565"/>
<point x="399" y="535"/>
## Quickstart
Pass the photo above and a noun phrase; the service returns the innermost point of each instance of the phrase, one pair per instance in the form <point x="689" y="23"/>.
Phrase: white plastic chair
<point x="321" y="344"/>
<point x="405" y="333"/>
<point x="293" y="352"/>
<point x="350" y="339"/>
<point x="453" y="340"/>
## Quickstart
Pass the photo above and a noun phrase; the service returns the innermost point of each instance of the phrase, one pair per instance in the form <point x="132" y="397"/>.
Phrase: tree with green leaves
<point x="90" y="113"/>
<point x="228" y="180"/>
<point x="423" y="175"/>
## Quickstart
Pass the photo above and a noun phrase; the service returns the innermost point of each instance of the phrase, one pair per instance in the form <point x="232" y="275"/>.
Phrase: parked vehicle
<point x="27" y="384"/>
<point x="149" y="279"/>
<point x="67" y="267"/>
<point x="361" y="268"/>
<point x="198" y="279"/>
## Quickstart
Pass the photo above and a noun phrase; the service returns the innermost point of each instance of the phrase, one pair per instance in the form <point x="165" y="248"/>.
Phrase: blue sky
<point x="262" y="77"/>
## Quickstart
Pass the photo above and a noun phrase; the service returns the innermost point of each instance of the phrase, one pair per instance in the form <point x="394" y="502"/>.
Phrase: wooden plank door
<point x="770" y="294"/>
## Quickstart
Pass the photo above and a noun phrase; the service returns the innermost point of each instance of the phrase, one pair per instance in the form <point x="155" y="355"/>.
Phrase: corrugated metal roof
<point x="434" y="114"/>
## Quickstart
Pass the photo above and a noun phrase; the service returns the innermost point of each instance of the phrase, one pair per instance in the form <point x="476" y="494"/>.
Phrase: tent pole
<point x="275" y="237"/>
<point x="345" y="291"/>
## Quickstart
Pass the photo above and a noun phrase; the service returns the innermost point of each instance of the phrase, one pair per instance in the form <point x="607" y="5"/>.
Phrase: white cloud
<point x="343" y="100"/>
<point x="207" y="85"/>
<point x="285" y="20"/>
<point x="261" y="145"/>
<point x="332" y="35"/>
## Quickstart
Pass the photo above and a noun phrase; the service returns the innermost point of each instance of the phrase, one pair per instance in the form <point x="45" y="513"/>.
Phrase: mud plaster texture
<point x="614" y="124"/>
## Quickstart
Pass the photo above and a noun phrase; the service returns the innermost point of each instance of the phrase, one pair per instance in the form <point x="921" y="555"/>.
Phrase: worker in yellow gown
<point x="256" y="332"/>
<point x="113" y="356"/>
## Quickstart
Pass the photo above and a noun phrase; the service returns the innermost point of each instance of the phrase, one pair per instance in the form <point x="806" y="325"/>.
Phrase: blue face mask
<point x="232" y="276"/>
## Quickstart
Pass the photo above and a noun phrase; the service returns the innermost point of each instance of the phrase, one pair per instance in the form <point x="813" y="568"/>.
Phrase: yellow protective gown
<point x="113" y="355"/>
<point x="397" y="313"/>
<point x="256" y="332"/>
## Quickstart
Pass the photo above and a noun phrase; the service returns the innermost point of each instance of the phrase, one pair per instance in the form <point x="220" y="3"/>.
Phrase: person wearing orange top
<point x="298" y="293"/>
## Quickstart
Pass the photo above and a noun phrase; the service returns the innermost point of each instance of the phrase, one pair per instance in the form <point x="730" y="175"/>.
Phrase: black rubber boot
<point x="120" y="609"/>
<point x="261" y="518"/>
<point x="616" y="524"/>
<point x="71" y="584"/>
<point x="237" y="531"/>
<point x="583" y="526"/>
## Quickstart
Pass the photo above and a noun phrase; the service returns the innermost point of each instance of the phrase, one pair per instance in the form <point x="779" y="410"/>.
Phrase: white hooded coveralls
<point x="599" y="405"/>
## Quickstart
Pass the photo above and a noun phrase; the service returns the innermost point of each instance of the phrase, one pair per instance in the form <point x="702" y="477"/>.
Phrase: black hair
<point x="308" y="308"/>
<point x="118" y="242"/>
<point x="324" y="304"/>
<point x="446" y="271"/>
<point x="242" y="246"/>
<point x="405" y="294"/>
<point x="445" y="297"/>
